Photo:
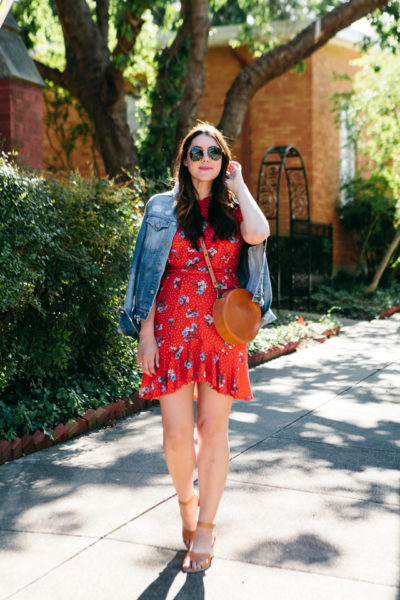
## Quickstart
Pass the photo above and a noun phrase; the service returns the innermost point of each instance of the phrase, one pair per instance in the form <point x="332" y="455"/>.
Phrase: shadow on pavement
<point x="192" y="589"/>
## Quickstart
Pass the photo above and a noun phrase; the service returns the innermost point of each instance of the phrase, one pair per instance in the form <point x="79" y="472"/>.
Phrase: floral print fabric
<point x="191" y="350"/>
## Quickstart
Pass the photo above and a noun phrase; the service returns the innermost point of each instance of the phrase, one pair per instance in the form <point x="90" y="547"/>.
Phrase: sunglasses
<point x="214" y="152"/>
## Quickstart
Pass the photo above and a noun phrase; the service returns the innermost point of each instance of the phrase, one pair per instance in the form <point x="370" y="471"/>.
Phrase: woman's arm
<point x="148" y="356"/>
<point x="254" y="227"/>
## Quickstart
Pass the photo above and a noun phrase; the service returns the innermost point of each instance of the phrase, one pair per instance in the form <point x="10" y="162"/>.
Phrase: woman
<point x="180" y="352"/>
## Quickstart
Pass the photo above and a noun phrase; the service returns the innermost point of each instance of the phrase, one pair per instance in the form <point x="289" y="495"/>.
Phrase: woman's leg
<point x="213" y="458"/>
<point x="179" y="448"/>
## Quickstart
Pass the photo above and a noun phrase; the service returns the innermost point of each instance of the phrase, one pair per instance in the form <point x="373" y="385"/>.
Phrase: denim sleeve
<point x="127" y="324"/>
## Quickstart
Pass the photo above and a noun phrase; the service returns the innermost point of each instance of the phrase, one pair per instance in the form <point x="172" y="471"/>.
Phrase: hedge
<point x="65" y="253"/>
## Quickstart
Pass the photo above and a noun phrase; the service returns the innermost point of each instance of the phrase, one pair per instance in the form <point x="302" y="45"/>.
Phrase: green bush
<point x="66" y="248"/>
<point x="369" y="211"/>
<point x="353" y="302"/>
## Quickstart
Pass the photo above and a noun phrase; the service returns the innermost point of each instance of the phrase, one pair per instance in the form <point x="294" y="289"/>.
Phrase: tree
<point x="373" y="112"/>
<point x="368" y="210"/>
<point x="95" y="64"/>
<point x="386" y="27"/>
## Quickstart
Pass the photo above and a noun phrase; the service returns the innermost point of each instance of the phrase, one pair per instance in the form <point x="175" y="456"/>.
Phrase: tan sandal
<point x="202" y="558"/>
<point x="187" y="534"/>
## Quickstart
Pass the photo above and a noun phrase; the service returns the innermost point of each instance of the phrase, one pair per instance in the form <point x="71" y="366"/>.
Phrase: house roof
<point x="15" y="61"/>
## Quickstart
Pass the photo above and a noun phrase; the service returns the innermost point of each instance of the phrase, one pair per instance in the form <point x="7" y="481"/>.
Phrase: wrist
<point x="147" y="333"/>
<point x="240" y="188"/>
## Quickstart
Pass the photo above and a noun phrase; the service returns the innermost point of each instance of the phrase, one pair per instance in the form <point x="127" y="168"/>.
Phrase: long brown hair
<point x="220" y="212"/>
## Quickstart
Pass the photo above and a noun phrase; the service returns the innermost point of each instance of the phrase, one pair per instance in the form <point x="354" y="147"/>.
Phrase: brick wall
<point x="334" y="57"/>
<point x="5" y="121"/>
<point x="273" y="119"/>
<point x="221" y="68"/>
<point x="21" y="120"/>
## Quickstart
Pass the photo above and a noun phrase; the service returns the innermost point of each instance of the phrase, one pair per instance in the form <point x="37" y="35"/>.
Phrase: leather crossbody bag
<point x="236" y="317"/>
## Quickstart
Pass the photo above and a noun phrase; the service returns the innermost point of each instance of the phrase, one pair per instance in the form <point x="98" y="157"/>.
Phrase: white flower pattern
<point x="190" y="347"/>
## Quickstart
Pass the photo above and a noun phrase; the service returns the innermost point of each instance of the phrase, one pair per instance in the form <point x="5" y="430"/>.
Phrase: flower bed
<point x="286" y="338"/>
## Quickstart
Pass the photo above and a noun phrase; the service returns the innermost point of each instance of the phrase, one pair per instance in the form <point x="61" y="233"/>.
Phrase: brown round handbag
<point x="236" y="317"/>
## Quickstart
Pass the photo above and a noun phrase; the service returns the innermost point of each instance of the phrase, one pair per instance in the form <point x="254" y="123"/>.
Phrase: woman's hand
<point x="234" y="177"/>
<point x="148" y="356"/>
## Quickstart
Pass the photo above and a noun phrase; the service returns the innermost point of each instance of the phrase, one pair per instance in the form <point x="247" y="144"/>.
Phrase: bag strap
<point x="209" y="266"/>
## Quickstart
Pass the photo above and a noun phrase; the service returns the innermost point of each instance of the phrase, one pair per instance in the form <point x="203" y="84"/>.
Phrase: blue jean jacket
<point x="150" y="256"/>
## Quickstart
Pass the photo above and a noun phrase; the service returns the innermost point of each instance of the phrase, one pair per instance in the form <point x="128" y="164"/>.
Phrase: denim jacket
<point x="150" y="256"/>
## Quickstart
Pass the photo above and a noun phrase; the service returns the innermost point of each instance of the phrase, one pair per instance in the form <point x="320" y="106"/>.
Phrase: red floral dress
<point x="191" y="349"/>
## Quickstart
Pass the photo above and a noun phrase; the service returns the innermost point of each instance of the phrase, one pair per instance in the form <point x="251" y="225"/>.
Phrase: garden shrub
<point x="369" y="211"/>
<point x="353" y="301"/>
<point x="66" y="248"/>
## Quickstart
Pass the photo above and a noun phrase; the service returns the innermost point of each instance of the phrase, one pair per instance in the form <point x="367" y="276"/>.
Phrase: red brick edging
<point x="263" y="356"/>
<point x="389" y="311"/>
<point x="93" y="419"/>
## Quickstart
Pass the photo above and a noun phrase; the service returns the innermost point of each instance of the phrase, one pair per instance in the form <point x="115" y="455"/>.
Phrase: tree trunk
<point x="91" y="76"/>
<point x="194" y="82"/>
<point x="180" y="67"/>
<point x="168" y="84"/>
<point x="384" y="263"/>
<point x="112" y="130"/>
<point x="280" y="59"/>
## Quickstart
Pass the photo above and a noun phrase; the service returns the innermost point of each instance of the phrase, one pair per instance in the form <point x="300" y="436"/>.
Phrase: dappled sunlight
<point x="326" y="434"/>
<point x="243" y="417"/>
<point x="90" y="503"/>
<point x="327" y="455"/>
<point x="136" y="440"/>
<point x="310" y="529"/>
<point x="88" y="485"/>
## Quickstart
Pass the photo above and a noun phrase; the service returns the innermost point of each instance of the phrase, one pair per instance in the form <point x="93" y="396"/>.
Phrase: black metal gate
<point x="289" y="258"/>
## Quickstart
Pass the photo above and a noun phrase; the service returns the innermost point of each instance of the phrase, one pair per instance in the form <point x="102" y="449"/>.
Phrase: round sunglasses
<point x="196" y="153"/>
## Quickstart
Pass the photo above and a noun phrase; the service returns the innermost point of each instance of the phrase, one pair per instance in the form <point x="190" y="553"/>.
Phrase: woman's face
<point x="206" y="169"/>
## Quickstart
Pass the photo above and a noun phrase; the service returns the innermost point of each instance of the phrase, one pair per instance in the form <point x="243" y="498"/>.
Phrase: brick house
<point x="291" y="110"/>
<point x="21" y="98"/>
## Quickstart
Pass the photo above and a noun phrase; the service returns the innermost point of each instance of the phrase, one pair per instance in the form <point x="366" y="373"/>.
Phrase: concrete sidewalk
<point x="310" y="510"/>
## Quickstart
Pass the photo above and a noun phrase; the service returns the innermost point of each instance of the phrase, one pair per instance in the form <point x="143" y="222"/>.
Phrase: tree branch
<point x="84" y="44"/>
<point x="125" y="44"/>
<point x="102" y="17"/>
<point x="383" y="263"/>
<point x="272" y="64"/>
<point x="162" y="111"/>
<point x="183" y="32"/>
<point x="61" y="78"/>
<point x="92" y="77"/>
